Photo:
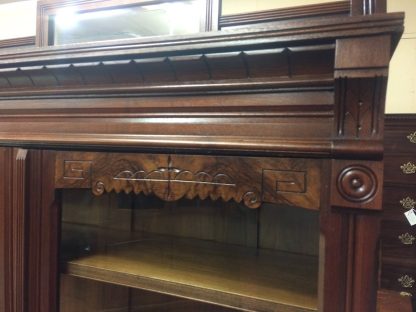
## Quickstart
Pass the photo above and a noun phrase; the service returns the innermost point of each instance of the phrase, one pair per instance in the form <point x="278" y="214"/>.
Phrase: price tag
<point x="411" y="216"/>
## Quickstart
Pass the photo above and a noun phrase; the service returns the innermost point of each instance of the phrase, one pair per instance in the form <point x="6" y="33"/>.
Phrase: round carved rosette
<point x="357" y="183"/>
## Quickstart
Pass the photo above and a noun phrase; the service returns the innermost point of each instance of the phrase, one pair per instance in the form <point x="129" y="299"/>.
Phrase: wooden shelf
<point x="227" y="275"/>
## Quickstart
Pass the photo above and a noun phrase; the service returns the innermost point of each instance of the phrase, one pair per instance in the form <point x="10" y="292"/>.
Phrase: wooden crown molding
<point x="272" y="68"/>
<point x="278" y="35"/>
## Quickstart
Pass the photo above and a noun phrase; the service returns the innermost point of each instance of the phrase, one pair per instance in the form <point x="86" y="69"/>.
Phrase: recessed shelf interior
<point x="218" y="253"/>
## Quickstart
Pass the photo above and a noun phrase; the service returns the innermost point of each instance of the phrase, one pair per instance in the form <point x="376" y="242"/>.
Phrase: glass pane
<point x="166" y="18"/>
<point x="149" y="254"/>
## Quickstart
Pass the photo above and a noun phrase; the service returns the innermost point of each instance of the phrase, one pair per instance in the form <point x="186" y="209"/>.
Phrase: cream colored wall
<point x="18" y="19"/>
<point x="401" y="92"/>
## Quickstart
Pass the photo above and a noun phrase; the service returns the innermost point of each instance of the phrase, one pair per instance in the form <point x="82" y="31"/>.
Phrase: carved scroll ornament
<point x="247" y="180"/>
<point x="172" y="184"/>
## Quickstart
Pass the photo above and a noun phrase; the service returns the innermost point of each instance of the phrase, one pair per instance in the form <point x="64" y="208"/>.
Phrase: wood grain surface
<point x="260" y="280"/>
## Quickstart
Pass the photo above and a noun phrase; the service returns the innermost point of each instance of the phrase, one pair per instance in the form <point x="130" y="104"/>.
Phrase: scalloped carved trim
<point x="247" y="180"/>
<point x="171" y="184"/>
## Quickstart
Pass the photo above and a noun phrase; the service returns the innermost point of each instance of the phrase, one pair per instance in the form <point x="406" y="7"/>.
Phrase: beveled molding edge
<point x="197" y="144"/>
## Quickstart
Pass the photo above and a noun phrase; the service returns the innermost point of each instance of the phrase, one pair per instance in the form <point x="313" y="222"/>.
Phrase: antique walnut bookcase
<point x="234" y="166"/>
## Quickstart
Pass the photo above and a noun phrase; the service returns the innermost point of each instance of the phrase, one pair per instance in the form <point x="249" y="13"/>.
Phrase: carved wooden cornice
<point x="281" y="34"/>
<point x="280" y="89"/>
<point x="250" y="69"/>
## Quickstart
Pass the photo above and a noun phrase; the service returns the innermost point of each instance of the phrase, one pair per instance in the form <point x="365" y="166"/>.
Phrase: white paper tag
<point x="411" y="216"/>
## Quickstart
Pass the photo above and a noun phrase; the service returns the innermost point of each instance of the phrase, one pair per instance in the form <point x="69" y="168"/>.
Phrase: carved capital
<point x="358" y="185"/>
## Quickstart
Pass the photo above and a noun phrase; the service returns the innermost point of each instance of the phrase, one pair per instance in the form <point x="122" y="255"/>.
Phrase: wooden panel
<point x="259" y="279"/>
<point x="388" y="301"/>
<point x="356" y="53"/>
<point x="284" y="228"/>
<point x="171" y="177"/>
<point x="401" y="169"/>
<point x="43" y="234"/>
<point x="217" y="221"/>
<point x="398" y="240"/>
<point x="397" y="200"/>
<point x="6" y="243"/>
<point x="398" y="237"/>
<point x="400" y="134"/>
<point x="398" y="277"/>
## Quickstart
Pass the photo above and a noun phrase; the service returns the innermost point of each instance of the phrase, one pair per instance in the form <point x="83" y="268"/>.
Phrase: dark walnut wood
<point x="172" y="177"/>
<point x="239" y="92"/>
<point x="284" y="112"/>
<point x="398" y="238"/>
<point x="195" y="269"/>
<point x="13" y="240"/>
<point x="393" y="301"/>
